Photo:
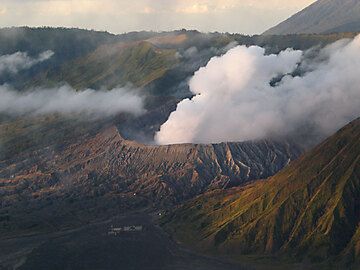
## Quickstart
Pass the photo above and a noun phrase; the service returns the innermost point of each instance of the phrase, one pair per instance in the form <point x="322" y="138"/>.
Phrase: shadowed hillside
<point x="309" y="212"/>
<point x="323" y="16"/>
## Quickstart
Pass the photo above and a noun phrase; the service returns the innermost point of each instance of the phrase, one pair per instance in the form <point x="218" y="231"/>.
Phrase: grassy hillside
<point x="118" y="64"/>
<point x="309" y="212"/>
<point x="68" y="45"/>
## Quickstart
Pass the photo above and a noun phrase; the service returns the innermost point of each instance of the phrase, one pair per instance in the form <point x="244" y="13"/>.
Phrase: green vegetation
<point x="309" y="212"/>
<point x="114" y="65"/>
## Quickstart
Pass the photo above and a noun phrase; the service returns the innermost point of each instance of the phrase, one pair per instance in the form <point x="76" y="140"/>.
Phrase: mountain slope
<point x="112" y="65"/>
<point x="310" y="211"/>
<point x="324" y="16"/>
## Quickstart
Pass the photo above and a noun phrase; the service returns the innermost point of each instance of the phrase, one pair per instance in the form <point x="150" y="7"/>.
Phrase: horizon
<point x="248" y="17"/>
<point x="129" y="32"/>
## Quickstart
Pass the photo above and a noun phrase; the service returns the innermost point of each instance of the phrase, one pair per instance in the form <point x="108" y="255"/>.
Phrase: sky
<point x="119" y="16"/>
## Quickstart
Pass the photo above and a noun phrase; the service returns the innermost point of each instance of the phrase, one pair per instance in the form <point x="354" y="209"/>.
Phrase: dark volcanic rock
<point x="169" y="173"/>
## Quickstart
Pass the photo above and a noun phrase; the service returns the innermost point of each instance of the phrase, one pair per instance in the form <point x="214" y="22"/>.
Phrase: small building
<point x="133" y="228"/>
<point x="125" y="229"/>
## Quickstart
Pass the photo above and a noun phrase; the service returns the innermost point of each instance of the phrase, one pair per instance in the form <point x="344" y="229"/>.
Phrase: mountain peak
<point x="323" y="16"/>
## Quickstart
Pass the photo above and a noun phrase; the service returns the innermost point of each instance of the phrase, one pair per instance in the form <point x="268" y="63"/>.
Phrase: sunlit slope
<point x="136" y="63"/>
<point x="308" y="211"/>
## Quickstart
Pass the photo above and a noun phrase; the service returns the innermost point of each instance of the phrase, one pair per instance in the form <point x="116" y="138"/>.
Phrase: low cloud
<point x="13" y="63"/>
<point x="66" y="101"/>
<point x="236" y="98"/>
<point x="194" y="9"/>
<point x="2" y="10"/>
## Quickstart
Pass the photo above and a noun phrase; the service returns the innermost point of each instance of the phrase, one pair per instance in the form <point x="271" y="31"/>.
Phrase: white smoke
<point x="68" y="102"/>
<point x="13" y="63"/>
<point x="235" y="100"/>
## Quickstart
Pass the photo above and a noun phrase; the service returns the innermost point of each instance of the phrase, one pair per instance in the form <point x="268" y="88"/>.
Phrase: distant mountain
<point x="323" y="16"/>
<point x="94" y="59"/>
<point x="308" y="212"/>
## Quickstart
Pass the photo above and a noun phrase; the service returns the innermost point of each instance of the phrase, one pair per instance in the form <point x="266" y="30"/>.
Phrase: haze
<point x="118" y="16"/>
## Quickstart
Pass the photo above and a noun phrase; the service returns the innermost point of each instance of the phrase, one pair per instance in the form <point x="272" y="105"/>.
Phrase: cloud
<point x="13" y="63"/>
<point x="213" y="6"/>
<point x="2" y="10"/>
<point x="236" y="101"/>
<point x="245" y="16"/>
<point x="148" y="10"/>
<point x="194" y="9"/>
<point x="68" y="102"/>
<point x="69" y="7"/>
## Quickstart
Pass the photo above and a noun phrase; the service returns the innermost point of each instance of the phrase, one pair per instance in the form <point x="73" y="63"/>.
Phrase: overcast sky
<point x="118" y="16"/>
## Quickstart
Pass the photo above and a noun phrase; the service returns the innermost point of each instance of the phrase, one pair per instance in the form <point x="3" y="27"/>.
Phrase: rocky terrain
<point x="308" y="213"/>
<point x="105" y="166"/>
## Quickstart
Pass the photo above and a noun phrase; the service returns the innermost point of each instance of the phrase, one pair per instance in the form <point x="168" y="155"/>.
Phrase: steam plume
<point x="236" y="99"/>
